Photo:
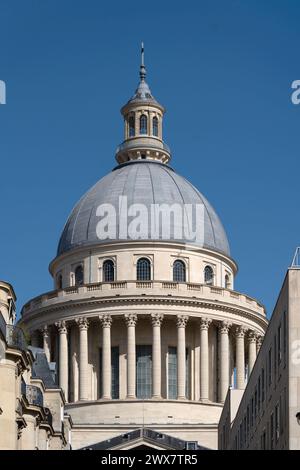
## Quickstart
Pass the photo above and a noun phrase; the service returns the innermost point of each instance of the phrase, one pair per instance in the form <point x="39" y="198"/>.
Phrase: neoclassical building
<point x="144" y="324"/>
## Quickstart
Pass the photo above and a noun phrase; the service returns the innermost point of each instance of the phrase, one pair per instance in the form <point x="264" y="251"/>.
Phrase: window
<point x="262" y="385"/>
<point x="179" y="274"/>
<point x="270" y="367"/>
<point x="275" y="359"/>
<point x="259" y="394"/>
<point x="143" y="270"/>
<point x="272" y="432"/>
<point x="277" y="422"/>
<point x="59" y="281"/>
<point x="131" y="125"/>
<point x="284" y="336"/>
<point x="114" y="372"/>
<point x="227" y="281"/>
<point x="208" y="275"/>
<point x="144" y="371"/>
<point x="79" y="276"/>
<point x="252" y="411"/>
<point x="108" y="271"/>
<point x="279" y="345"/>
<point x="255" y="404"/>
<point x="143" y="124"/>
<point x="155" y="126"/>
<point x="263" y="440"/>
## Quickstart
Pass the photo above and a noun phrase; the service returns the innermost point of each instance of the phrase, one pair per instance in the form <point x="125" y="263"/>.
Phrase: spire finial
<point x="142" y="67"/>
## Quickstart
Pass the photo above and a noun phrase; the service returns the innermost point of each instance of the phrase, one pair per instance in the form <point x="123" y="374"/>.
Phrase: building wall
<point x="266" y="417"/>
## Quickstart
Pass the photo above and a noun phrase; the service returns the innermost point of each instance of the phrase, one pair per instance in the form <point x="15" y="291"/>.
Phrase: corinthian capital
<point x="252" y="336"/>
<point x="45" y="331"/>
<point x="240" y="331"/>
<point x="62" y="327"/>
<point x="82" y="323"/>
<point x="182" y="321"/>
<point x="204" y="323"/>
<point x="130" y="319"/>
<point x="106" y="320"/>
<point x="224" y="327"/>
<point x="156" y="319"/>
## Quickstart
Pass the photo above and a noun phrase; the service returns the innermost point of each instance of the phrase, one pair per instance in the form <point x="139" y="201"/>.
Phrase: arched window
<point x="208" y="275"/>
<point x="79" y="276"/>
<point x="227" y="281"/>
<point x="131" y="124"/>
<point x="143" y="124"/>
<point x="59" y="281"/>
<point x="155" y="126"/>
<point x="143" y="270"/>
<point x="108" y="271"/>
<point x="179" y="271"/>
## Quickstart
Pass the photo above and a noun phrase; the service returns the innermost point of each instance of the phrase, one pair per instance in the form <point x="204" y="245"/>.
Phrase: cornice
<point x="148" y="300"/>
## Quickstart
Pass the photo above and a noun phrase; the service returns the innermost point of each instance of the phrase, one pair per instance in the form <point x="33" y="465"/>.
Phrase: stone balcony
<point x="136" y="289"/>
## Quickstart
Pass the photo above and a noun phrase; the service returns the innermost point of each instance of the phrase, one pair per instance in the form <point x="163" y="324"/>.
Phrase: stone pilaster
<point x="131" y="319"/>
<point x="156" y="319"/>
<point x="106" y="321"/>
<point x="83" y="325"/>
<point x="240" y="357"/>
<point x="252" y="337"/>
<point x="46" y="341"/>
<point x="224" y="360"/>
<point x="204" y="359"/>
<point x="259" y="341"/>
<point x="63" y="366"/>
<point x="181" y="356"/>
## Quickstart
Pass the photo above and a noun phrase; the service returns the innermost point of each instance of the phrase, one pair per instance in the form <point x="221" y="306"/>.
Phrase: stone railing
<point x="169" y="288"/>
<point x="15" y="338"/>
<point x="32" y="394"/>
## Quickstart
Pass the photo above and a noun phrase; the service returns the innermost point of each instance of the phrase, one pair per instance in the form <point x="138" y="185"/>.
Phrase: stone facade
<point x="31" y="411"/>
<point x="265" y="415"/>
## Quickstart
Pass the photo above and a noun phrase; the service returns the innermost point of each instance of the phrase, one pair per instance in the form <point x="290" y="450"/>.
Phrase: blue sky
<point x="223" y="69"/>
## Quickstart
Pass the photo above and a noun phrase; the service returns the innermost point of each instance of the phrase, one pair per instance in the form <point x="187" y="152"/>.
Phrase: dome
<point x="142" y="182"/>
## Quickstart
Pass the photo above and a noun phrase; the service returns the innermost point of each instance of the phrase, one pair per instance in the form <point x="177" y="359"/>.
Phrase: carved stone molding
<point x="240" y="331"/>
<point x="82" y="323"/>
<point x="45" y="331"/>
<point x="106" y="320"/>
<point x="156" y="319"/>
<point x="130" y="319"/>
<point x="205" y="323"/>
<point x="62" y="327"/>
<point x="181" y="321"/>
<point x="224" y="327"/>
<point x="252" y="336"/>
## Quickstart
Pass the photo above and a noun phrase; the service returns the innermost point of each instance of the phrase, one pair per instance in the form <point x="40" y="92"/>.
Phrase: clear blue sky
<point x="223" y="69"/>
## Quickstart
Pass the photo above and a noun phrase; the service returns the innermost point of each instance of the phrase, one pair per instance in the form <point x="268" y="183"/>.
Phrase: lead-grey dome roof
<point x="143" y="182"/>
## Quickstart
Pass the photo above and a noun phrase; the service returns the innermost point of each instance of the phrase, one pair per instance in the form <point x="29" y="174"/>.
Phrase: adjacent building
<point x="31" y="404"/>
<point x="266" y="415"/>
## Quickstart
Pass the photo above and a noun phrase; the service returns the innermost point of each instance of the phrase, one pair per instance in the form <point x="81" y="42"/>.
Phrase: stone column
<point x="224" y="360"/>
<point x="156" y="319"/>
<point x="181" y="356"/>
<point x="252" y="350"/>
<point x="106" y="322"/>
<point x="83" y="325"/>
<point x="259" y="341"/>
<point x="63" y="356"/>
<point x="131" y="319"/>
<point x="34" y="338"/>
<point x="240" y="357"/>
<point x="46" y="341"/>
<point x="204" y="359"/>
